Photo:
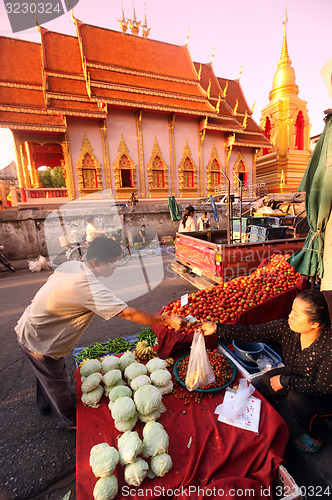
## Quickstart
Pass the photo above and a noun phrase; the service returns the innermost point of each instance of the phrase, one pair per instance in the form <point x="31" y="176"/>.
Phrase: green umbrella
<point x="173" y="208"/>
<point x="317" y="183"/>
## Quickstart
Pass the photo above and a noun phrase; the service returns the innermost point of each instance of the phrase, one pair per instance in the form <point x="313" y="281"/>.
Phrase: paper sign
<point x="191" y="318"/>
<point x="184" y="300"/>
<point x="250" y="416"/>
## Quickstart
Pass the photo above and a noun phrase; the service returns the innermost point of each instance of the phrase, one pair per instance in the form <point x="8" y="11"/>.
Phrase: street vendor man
<point x="306" y="379"/>
<point x="58" y="316"/>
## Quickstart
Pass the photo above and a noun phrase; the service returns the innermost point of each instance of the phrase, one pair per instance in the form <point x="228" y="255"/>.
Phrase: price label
<point x="184" y="300"/>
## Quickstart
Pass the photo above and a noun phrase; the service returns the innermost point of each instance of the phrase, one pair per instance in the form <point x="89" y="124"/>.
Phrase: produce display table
<point x="206" y="454"/>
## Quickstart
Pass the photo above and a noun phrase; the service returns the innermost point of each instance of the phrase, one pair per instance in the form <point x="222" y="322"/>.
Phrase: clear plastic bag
<point x="199" y="373"/>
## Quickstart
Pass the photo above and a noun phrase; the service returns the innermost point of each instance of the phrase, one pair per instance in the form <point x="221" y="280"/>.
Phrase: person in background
<point x="188" y="223"/>
<point x="203" y="222"/>
<point x="91" y="231"/>
<point x="60" y="313"/>
<point x="306" y="378"/>
<point x="142" y="236"/>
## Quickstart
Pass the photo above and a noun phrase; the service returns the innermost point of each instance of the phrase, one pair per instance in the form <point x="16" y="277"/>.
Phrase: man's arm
<point x="146" y="318"/>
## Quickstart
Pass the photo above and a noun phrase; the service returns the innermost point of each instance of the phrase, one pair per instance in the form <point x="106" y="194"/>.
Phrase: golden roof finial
<point x="244" y="124"/>
<point x="199" y="72"/>
<point x="235" y="107"/>
<point x="134" y="24"/>
<point x="187" y="37"/>
<point x="218" y="104"/>
<point x="212" y="56"/>
<point x="208" y="89"/>
<point x="145" y="29"/>
<point x="123" y="21"/>
<point x="253" y="107"/>
<point x="225" y="90"/>
<point x="240" y="72"/>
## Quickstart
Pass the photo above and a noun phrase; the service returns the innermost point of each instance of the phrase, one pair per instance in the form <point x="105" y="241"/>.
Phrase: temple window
<point x="157" y="173"/>
<point x="124" y="172"/>
<point x="187" y="174"/>
<point x="88" y="169"/>
<point x="299" y="131"/>
<point x="214" y="177"/>
<point x="241" y="173"/>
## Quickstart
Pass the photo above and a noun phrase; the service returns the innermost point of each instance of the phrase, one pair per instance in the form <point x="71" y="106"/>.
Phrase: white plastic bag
<point x="199" y="373"/>
<point x="35" y="266"/>
<point x="43" y="262"/>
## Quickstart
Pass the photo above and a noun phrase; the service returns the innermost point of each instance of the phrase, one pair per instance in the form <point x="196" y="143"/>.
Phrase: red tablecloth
<point x="228" y="459"/>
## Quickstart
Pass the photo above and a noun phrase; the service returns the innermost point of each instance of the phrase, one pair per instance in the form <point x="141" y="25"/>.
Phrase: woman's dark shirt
<point x="311" y="367"/>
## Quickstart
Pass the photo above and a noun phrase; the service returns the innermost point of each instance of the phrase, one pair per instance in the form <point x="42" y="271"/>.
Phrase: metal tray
<point x="213" y="389"/>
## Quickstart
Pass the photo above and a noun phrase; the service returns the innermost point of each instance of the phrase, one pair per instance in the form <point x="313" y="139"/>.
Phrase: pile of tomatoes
<point x="222" y="369"/>
<point x="225" y="301"/>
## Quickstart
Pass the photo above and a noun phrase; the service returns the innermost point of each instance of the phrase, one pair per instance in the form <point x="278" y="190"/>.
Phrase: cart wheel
<point x="124" y="257"/>
<point x="77" y="254"/>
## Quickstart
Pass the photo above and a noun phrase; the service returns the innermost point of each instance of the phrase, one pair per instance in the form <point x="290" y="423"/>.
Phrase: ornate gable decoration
<point x="125" y="172"/>
<point x="241" y="171"/>
<point x="213" y="171"/>
<point x="187" y="174"/>
<point x="88" y="169"/>
<point x="157" y="173"/>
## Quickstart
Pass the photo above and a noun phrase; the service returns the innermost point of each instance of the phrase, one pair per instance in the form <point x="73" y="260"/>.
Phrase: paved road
<point x="37" y="460"/>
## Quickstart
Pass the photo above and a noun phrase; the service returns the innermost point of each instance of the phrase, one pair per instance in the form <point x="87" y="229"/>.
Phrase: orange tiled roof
<point x="20" y="61"/>
<point x="34" y="121"/>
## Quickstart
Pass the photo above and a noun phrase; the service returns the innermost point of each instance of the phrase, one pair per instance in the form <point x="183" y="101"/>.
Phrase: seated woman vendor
<point x="306" y="378"/>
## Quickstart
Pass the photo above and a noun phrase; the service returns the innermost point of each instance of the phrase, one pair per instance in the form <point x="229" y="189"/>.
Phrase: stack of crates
<point x="264" y="233"/>
<point x="244" y="229"/>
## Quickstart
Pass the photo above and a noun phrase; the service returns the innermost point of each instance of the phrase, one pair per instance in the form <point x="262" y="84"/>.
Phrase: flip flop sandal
<point x="308" y="446"/>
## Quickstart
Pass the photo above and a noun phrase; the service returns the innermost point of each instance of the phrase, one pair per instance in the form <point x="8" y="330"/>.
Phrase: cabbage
<point x="122" y="409"/>
<point x="128" y="425"/>
<point x="136" y="472"/>
<point x="154" y="415"/>
<point x="119" y="391"/>
<point x="93" y="398"/>
<point x="147" y="399"/>
<point x="138" y="382"/>
<point x="129" y="445"/>
<point x="161" y="464"/>
<point x="155" y="364"/>
<point x="91" y="382"/>
<point x="109" y="363"/>
<point x="90" y="366"/>
<point x="112" y="377"/>
<point x="126" y="359"/>
<point x="134" y="370"/>
<point x="155" y="439"/>
<point x="103" y="459"/>
<point x="160" y="377"/>
<point x="166" y="389"/>
<point x="106" y="488"/>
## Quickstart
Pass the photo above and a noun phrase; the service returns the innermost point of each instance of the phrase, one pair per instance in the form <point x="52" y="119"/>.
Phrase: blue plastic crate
<point x="251" y="368"/>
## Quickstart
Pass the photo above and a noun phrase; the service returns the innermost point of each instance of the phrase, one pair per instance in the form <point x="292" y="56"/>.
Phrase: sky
<point x="245" y="34"/>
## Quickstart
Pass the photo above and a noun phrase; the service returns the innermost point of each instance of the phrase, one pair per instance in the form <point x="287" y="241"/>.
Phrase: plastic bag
<point x="199" y="373"/>
<point x="35" y="266"/>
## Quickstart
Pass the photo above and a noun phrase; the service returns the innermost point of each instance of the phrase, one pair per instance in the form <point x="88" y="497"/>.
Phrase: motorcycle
<point x="5" y="261"/>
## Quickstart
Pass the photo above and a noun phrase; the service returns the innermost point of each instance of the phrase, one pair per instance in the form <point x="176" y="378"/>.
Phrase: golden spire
<point x="253" y="107"/>
<point x="145" y="28"/>
<point x="284" y="83"/>
<point x="244" y="124"/>
<point x="187" y="37"/>
<point x="123" y="22"/>
<point x="134" y="24"/>
<point x="240" y="72"/>
<point x="212" y="56"/>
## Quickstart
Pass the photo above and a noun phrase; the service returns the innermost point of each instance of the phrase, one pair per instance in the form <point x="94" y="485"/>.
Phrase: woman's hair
<point x="317" y="308"/>
<point x="187" y="213"/>
<point x="103" y="249"/>
<point x="90" y="219"/>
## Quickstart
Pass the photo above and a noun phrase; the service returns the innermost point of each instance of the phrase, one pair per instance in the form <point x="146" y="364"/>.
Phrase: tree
<point x="51" y="178"/>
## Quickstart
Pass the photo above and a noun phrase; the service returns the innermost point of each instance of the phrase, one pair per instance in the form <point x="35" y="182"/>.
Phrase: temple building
<point x="124" y="113"/>
<point x="286" y="124"/>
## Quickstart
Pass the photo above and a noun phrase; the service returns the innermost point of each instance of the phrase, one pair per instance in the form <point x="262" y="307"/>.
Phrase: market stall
<point x="210" y="458"/>
<point x="206" y="454"/>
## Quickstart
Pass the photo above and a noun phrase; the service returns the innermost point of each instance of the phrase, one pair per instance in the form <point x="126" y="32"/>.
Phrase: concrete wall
<point x="26" y="234"/>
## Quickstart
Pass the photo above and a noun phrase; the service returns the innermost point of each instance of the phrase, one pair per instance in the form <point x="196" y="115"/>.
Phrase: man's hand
<point x="208" y="327"/>
<point x="275" y="383"/>
<point x="174" y="321"/>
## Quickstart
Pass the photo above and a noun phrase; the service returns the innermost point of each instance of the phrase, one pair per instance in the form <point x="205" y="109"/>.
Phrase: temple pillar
<point x="19" y="166"/>
<point x="70" y="183"/>
<point x="106" y="159"/>
<point x="201" y="136"/>
<point x="33" y="170"/>
<point x="171" y="121"/>
<point x="141" y="168"/>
